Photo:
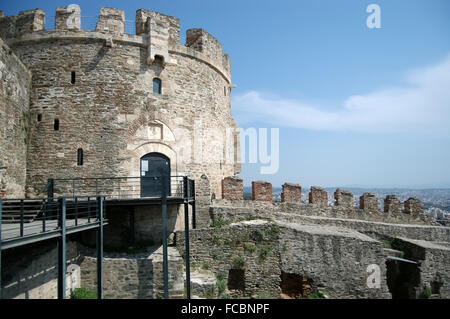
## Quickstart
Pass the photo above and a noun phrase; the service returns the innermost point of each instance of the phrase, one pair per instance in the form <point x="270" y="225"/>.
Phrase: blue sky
<point x="355" y="106"/>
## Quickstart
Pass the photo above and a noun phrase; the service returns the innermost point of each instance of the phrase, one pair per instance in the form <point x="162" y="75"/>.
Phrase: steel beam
<point x="100" y="250"/>
<point x="164" y="234"/>
<point x="62" y="250"/>
<point x="187" y="258"/>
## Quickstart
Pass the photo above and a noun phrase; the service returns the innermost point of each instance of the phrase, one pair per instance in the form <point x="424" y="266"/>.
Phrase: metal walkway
<point x="26" y="221"/>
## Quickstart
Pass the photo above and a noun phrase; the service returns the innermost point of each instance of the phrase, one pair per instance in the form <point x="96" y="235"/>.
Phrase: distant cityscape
<point x="436" y="201"/>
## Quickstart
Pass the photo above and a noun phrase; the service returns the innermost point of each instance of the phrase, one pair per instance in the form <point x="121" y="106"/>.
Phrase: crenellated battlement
<point x="158" y="32"/>
<point x="318" y="203"/>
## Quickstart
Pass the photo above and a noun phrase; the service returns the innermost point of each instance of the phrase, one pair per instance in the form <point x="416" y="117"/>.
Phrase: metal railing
<point x="29" y="218"/>
<point x="122" y="188"/>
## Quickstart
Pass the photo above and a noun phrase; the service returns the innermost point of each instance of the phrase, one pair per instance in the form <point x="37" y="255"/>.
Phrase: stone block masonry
<point x="344" y="199"/>
<point x="392" y="205"/>
<point x="68" y="18"/>
<point x="414" y="207"/>
<point x="232" y="188"/>
<point x="291" y="193"/>
<point x="111" y="21"/>
<point x="262" y="191"/>
<point x="318" y="196"/>
<point x="368" y="202"/>
<point x="15" y="87"/>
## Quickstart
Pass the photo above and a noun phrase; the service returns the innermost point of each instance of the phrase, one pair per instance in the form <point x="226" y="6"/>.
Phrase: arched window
<point x="157" y="86"/>
<point x="80" y="157"/>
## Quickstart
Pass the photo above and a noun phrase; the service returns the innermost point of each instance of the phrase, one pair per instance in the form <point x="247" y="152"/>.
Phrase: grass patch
<point x="426" y="293"/>
<point x="250" y="247"/>
<point x="264" y="252"/>
<point x="221" y="285"/>
<point x="219" y="223"/>
<point x="239" y="262"/>
<point x="83" y="293"/>
<point x="315" y="295"/>
<point x="217" y="255"/>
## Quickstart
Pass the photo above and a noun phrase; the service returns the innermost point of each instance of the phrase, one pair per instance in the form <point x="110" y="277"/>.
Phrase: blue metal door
<point x="155" y="166"/>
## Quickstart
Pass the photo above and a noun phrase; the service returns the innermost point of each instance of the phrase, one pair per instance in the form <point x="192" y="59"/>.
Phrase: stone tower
<point x="117" y="97"/>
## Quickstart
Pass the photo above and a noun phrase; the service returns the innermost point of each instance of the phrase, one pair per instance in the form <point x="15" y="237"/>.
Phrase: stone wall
<point x="30" y="272"/>
<point x="291" y="193"/>
<point x="328" y="257"/>
<point x="318" y="196"/>
<point x="434" y="261"/>
<point x="333" y="258"/>
<point x="392" y="205"/>
<point x="262" y="191"/>
<point x="250" y="247"/>
<point x="396" y="225"/>
<point x="137" y="276"/>
<point x="232" y="188"/>
<point x="344" y="199"/>
<point x="414" y="207"/>
<point x="15" y="87"/>
<point x="111" y="112"/>
<point x="368" y="202"/>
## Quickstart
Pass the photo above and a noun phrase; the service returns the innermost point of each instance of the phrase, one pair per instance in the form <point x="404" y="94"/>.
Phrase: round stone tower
<point x="102" y="100"/>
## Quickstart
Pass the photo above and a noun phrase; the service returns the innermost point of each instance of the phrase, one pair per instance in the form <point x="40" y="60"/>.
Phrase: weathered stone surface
<point x="29" y="21"/>
<point x="137" y="276"/>
<point x="15" y="87"/>
<point x="68" y="18"/>
<point x="318" y="196"/>
<point x="291" y="193"/>
<point x="262" y="191"/>
<point x="232" y="188"/>
<point x="30" y="272"/>
<point x="392" y="205"/>
<point x="368" y="202"/>
<point x="111" y="21"/>
<point x="414" y="207"/>
<point x="344" y="199"/>
<point x="111" y="111"/>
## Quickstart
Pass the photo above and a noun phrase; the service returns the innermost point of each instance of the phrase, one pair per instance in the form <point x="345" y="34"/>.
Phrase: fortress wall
<point x="30" y="272"/>
<point x="111" y="111"/>
<point x="328" y="257"/>
<point x="238" y="247"/>
<point x="110" y="108"/>
<point x="434" y="266"/>
<point x="333" y="258"/>
<point x="15" y="87"/>
<point x="135" y="276"/>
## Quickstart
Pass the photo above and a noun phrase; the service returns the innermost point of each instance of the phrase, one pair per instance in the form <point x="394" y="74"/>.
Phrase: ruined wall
<point x="15" y="86"/>
<point x="333" y="258"/>
<point x="30" y="272"/>
<point x="327" y="257"/>
<point x="110" y="111"/>
<point x="136" y="276"/>
<point x="250" y="247"/>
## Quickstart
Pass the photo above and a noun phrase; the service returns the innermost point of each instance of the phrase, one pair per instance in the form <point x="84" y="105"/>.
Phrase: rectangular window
<point x="73" y="77"/>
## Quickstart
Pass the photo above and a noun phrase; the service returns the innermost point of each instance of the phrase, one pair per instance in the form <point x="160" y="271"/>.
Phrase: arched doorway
<point x="154" y="166"/>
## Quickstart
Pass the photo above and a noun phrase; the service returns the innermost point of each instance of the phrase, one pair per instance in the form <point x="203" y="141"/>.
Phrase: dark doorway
<point x="236" y="280"/>
<point x="155" y="167"/>
<point x="403" y="279"/>
<point x="294" y="286"/>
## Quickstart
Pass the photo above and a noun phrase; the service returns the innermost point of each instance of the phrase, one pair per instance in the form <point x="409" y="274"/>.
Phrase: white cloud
<point x="421" y="106"/>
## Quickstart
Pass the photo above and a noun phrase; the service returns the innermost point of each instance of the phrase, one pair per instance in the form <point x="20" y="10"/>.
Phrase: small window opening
<point x="39" y="117"/>
<point x="56" y="125"/>
<point x="225" y="90"/>
<point x="73" y="77"/>
<point x="157" y="86"/>
<point x="80" y="157"/>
